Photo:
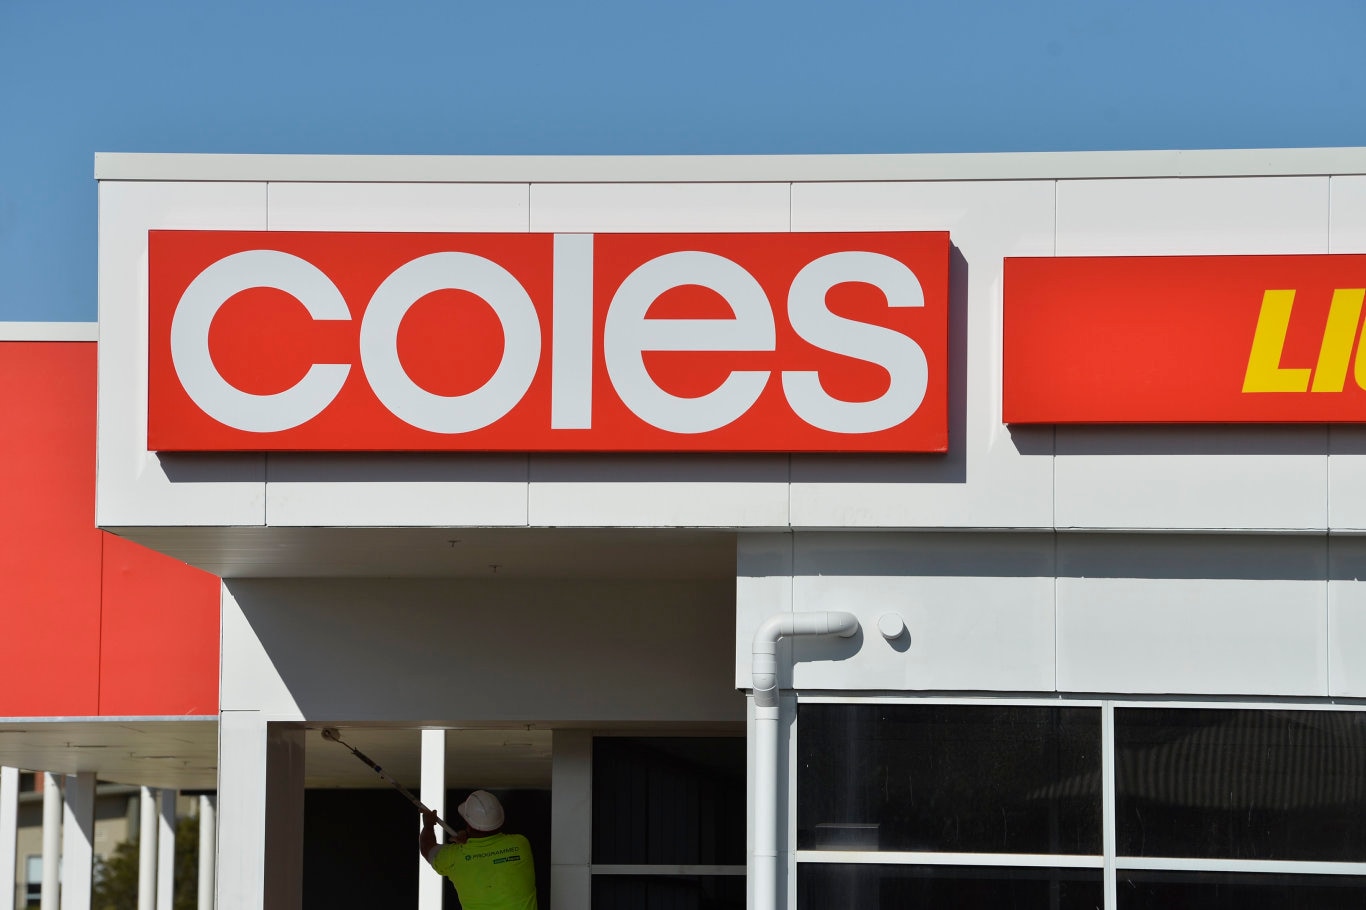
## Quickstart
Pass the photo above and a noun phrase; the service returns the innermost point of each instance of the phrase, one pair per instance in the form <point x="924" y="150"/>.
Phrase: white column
<point x="571" y="820"/>
<point x="260" y="816"/>
<point x="147" y="850"/>
<point x="78" y="840"/>
<point x="433" y="796"/>
<point x="52" y="841"/>
<point x="208" y="851"/>
<point x="9" y="835"/>
<point x="166" y="850"/>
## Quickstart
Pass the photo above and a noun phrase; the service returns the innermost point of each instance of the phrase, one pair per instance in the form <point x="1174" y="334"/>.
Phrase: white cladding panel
<point x="662" y="207"/>
<point x="434" y="207"/>
<point x="396" y="490"/>
<point x="134" y="486"/>
<point x="1195" y="478"/>
<point x="992" y="476"/>
<point x="1201" y="614"/>
<point x="1188" y="216"/>
<point x="659" y="490"/>
<point x="1347" y="444"/>
<point x="1347" y="617"/>
<point x="1200" y="478"/>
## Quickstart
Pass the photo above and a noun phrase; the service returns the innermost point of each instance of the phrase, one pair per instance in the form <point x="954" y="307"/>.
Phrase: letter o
<point x="379" y="342"/>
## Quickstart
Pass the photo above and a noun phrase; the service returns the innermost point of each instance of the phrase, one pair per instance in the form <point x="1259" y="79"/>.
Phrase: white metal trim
<point x="1211" y="702"/>
<point x="49" y="331"/>
<point x="979" y="700"/>
<point x="1240" y="705"/>
<point x="664" y="869"/>
<point x="1273" y="867"/>
<point x="730" y="168"/>
<point x="1108" y="823"/>
<point x="120" y="719"/>
<point x="892" y="858"/>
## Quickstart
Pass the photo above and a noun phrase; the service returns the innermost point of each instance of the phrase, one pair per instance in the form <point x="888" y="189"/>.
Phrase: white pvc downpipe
<point x="765" y="674"/>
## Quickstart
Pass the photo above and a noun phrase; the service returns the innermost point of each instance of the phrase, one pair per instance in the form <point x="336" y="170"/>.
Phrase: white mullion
<point x="663" y="869"/>
<point x="1107" y="804"/>
<point x="1214" y="703"/>
<point x="1272" y="867"/>
<point x="1004" y="860"/>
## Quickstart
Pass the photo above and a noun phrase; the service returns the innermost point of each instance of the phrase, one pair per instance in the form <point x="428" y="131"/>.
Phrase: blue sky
<point x="643" y="77"/>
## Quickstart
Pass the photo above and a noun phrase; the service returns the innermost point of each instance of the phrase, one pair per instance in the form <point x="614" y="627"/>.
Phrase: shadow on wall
<point x="434" y="650"/>
<point x="1047" y="554"/>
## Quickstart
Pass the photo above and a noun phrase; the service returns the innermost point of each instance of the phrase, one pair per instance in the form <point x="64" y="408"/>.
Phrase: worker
<point x="489" y="869"/>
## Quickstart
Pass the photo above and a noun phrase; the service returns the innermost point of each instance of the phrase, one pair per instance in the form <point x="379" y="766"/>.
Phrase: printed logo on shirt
<point x="470" y="856"/>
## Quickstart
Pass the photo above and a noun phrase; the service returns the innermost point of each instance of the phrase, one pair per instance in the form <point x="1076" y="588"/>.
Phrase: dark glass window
<point x="1237" y="891"/>
<point x="668" y="892"/>
<point x="949" y="778"/>
<point x="1241" y="784"/>
<point x="668" y="800"/>
<point x="834" y="886"/>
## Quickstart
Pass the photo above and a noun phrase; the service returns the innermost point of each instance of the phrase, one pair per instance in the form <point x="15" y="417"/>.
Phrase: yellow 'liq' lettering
<point x="1343" y="316"/>
<point x="1264" y="371"/>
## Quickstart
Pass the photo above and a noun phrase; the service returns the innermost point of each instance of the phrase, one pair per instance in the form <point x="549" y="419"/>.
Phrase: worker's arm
<point x="426" y="841"/>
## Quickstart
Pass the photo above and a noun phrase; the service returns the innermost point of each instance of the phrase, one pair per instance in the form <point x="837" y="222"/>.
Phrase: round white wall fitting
<point x="891" y="626"/>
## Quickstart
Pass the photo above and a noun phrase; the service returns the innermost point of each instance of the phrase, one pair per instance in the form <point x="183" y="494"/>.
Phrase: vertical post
<point x="9" y="835"/>
<point x="571" y="818"/>
<point x="147" y="849"/>
<point x="433" y="796"/>
<point x="208" y="851"/>
<point x="78" y="841"/>
<point x="261" y="819"/>
<point x="52" y="841"/>
<point x="165" y="889"/>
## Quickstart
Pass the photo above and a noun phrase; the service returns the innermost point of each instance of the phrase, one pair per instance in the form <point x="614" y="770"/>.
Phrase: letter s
<point x="900" y="356"/>
<point x="194" y="366"/>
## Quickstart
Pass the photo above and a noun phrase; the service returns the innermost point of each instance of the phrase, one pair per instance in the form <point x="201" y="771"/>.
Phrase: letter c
<point x="194" y="366"/>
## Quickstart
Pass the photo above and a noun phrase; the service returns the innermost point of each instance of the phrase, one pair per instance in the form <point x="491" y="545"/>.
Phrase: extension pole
<point x="331" y="735"/>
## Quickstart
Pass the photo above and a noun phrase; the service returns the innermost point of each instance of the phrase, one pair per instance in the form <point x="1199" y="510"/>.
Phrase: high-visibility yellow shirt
<point x="490" y="873"/>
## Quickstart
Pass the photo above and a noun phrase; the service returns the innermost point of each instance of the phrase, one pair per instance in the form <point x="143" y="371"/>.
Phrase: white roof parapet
<point x="49" y="331"/>
<point x="728" y="168"/>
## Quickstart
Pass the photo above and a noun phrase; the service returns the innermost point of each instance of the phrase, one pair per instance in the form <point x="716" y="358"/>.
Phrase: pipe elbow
<point x="764" y="667"/>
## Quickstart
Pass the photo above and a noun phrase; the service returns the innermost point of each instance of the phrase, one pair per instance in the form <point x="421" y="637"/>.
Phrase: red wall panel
<point x="49" y="547"/>
<point x="159" y="647"/>
<point x="89" y="624"/>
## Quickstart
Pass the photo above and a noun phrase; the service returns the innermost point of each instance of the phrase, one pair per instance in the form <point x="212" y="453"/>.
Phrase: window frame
<point x="1108" y="861"/>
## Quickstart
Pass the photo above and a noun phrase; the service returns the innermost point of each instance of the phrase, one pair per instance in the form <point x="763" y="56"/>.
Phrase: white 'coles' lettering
<point x="627" y="336"/>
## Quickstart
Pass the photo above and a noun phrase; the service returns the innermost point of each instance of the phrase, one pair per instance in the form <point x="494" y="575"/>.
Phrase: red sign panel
<point x="1185" y="339"/>
<point x="274" y="341"/>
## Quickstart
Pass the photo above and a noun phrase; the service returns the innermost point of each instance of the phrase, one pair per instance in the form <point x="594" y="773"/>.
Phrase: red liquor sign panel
<point x="327" y="341"/>
<point x="1185" y="339"/>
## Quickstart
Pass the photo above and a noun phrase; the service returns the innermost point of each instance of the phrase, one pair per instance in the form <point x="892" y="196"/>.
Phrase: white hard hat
<point x="482" y="811"/>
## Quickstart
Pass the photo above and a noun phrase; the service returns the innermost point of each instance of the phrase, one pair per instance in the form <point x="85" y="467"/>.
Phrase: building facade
<point x="969" y="530"/>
